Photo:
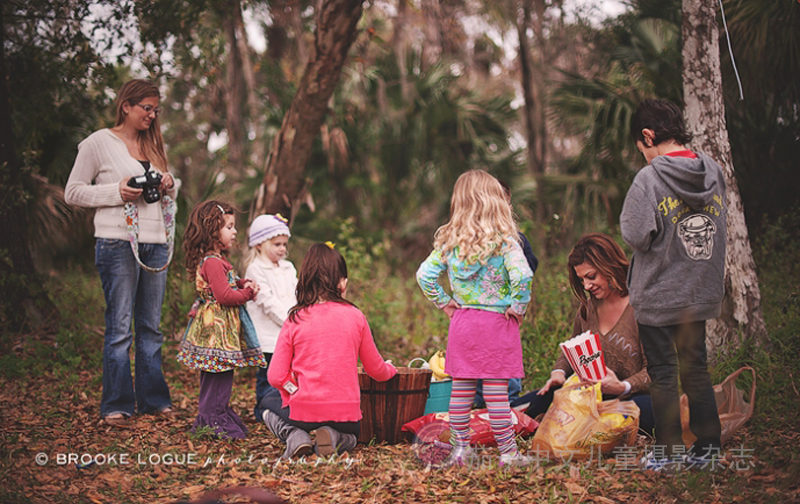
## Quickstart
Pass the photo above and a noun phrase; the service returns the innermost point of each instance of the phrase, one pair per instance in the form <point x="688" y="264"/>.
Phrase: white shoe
<point x="515" y="459"/>
<point x="459" y="456"/>
<point x="706" y="462"/>
<point x="663" y="465"/>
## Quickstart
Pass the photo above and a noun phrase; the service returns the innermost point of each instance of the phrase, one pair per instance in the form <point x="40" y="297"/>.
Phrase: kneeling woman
<point x="598" y="266"/>
<point x="315" y="363"/>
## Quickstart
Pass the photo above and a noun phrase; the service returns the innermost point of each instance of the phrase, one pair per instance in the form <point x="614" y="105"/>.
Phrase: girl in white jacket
<point x="277" y="278"/>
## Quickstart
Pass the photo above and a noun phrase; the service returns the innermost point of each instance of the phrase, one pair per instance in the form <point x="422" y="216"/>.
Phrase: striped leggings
<point x="495" y="393"/>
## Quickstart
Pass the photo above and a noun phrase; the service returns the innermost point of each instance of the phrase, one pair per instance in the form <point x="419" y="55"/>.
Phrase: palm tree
<point x="396" y="158"/>
<point x="52" y="90"/>
<point x="765" y="126"/>
<point x="598" y="111"/>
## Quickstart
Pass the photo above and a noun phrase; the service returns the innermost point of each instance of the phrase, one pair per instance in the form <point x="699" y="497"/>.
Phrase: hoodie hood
<point x="693" y="180"/>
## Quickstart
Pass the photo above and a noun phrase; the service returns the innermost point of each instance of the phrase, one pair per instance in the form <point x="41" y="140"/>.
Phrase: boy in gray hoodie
<point x="674" y="219"/>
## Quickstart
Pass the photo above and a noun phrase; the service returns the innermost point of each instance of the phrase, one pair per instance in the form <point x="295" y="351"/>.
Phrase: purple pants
<point x="214" y="410"/>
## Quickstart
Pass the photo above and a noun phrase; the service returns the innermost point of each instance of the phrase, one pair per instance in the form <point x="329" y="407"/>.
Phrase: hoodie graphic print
<point x="503" y="280"/>
<point x="674" y="219"/>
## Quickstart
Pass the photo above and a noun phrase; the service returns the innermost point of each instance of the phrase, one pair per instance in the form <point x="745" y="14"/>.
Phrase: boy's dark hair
<point x="322" y="270"/>
<point x="664" y="118"/>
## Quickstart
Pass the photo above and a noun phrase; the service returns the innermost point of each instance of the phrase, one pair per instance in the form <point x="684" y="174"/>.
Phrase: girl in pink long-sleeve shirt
<point x="315" y="364"/>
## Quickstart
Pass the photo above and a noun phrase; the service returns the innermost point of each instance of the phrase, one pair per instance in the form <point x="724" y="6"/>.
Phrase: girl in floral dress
<point x="220" y="336"/>
<point x="490" y="280"/>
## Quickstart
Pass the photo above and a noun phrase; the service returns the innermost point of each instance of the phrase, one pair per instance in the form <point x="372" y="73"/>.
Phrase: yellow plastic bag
<point x="577" y="426"/>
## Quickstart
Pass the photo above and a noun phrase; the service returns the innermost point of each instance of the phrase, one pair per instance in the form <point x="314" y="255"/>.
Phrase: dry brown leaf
<point x="574" y="488"/>
<point x="194" y="490"/>
<point x="602" y="500"/>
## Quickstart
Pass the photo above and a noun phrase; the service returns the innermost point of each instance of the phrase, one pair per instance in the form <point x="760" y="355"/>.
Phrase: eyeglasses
<point x="149" y="108"/>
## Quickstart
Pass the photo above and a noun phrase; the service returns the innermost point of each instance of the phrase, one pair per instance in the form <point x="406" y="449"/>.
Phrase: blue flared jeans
<point x="673" y="351"/>
<point x="132" y="295"/>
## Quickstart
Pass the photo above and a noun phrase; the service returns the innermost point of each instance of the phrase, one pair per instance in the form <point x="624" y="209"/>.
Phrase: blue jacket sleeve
<point x="428" y="279"/>
<point x="519" y="277"/>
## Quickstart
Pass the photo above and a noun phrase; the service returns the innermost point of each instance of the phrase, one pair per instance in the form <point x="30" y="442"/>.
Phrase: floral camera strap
<point x="168" y="210"/>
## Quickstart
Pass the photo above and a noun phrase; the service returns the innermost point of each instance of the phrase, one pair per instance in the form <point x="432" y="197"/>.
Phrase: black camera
<point x="148" y="183"/>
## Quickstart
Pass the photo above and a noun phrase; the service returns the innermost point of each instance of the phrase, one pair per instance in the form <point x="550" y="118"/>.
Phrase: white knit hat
<point x="266" y="227"/>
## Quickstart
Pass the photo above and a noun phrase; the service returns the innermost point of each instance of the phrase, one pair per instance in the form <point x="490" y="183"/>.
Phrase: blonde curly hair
<point x="481" y="220"/>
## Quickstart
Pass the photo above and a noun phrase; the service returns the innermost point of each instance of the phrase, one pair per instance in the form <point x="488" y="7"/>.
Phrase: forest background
<point x="537" y="92"/>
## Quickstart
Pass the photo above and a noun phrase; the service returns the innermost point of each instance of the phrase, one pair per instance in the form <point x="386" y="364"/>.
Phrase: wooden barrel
<point x="386" y="406"/>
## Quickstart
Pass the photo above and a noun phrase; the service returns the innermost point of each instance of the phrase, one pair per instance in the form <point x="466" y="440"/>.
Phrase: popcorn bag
<point x="585" y="355"/>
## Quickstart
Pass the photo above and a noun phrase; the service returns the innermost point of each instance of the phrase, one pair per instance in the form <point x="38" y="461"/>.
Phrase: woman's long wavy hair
<point x="481" y="220"/>
<point x="603" y="253"/>
<point x="201" y="236"/>
<point x="151" y="143"/>
<point x="322" y="270"/>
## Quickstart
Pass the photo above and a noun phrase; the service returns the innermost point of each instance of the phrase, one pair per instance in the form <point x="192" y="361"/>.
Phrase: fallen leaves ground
<point x="46" y="420"/>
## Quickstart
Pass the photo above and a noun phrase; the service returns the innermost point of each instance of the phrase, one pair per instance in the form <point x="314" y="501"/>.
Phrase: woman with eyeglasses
<point x="122" y="173"/>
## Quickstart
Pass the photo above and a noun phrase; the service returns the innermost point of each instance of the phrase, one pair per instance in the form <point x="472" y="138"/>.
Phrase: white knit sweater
<point x="103" y="160"/>
<point x="272" y="304"/>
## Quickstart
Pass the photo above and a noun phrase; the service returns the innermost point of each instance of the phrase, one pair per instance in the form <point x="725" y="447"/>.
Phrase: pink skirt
<point x="483" y="344"/>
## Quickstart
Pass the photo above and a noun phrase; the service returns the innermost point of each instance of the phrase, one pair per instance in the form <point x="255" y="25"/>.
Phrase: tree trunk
<point x="533" y="124"/>
<point x="400" y="46"/>
<point x="296" y="22"/>
<point x="24" y="303"/>
<point x="234" y="121"/>
<point x="705" y="115"/>
<point x="284" y="186"/>
<point x="253" y="104"/>
<point x="432" y="48"/>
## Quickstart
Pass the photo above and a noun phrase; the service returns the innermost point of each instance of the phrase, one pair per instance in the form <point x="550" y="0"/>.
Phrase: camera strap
<point x="168" y="210"/>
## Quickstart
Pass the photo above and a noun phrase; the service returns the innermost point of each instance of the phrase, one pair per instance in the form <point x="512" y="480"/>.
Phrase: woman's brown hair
<point x="151" y="143"/>
<point x="202" y="231"/>
<point x="605" y="256"/>
<point x="322" y="270"/>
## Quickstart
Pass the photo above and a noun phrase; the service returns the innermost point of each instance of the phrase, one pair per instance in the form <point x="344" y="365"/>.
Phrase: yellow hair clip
<point x="281" y="218"/>
<point x="330" y="244"/>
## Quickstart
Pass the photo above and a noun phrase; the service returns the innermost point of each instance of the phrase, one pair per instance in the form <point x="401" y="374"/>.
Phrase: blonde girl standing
<point x="490" y="280"/>
<point x="266" y="265"/>
<point x="220" y="336"/>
